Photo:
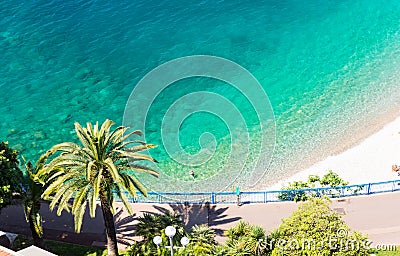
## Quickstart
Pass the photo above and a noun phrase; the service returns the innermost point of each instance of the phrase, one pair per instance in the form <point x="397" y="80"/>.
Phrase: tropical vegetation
<point x="297" y="190"/>
<point x="202" y="241"/>
<point x="153" y="224"/>
<point x="246" y="239"/>
<point x="315" y="229"/>
<point x="102" y="167"/>
<point x="10" y="173"/>
<point x="32" y="200"/>
<point x="59" y="248"/>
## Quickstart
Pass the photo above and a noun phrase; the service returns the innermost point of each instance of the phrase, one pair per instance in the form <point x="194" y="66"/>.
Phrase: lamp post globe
<point x="157" y="240"/>
<point x="170" y="231"/>
<point x="184" y="241"/>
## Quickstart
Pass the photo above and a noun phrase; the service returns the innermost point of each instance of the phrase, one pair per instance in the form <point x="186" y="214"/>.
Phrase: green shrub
<point x="11" y="175"/>
<point x="315" y="229"/>
<point x="298" y="189"/>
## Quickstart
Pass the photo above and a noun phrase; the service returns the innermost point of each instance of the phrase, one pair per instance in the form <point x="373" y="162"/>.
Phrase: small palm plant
<point x="31" y="198"/>
<point x="100" y="168"/>
<point x="153" y="224"/>
<point x="246" y="239"/>
<point x="202" y="241"/>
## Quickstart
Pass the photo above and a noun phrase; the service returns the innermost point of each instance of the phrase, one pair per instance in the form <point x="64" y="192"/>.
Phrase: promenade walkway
<point x="375" y="215"/>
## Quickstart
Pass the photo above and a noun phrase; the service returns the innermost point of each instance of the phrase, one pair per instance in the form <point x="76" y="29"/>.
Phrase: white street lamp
<point x="170" y="231"/>
<point x="184" y="241"/>
<point x="157" y="240"/>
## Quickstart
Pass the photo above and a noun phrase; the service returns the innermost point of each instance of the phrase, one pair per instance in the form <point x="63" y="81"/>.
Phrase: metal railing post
<point x="213" y="197"/>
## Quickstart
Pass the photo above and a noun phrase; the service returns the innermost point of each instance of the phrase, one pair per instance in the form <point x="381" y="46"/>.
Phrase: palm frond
<point x="125" y="201"/>
<point x="80" y="197"/>
<point x="84" y="137"/>
<point x="94" y="168"/>
<point x="78" y="217"/>
<point x="133" y="156"/>
<point x="137" y="184"/>
<point x="63" y="203"/>
<point x="140" y="168"/>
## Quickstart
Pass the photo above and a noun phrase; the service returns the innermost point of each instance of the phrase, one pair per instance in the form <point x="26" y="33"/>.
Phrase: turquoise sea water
<point x="331" y="69"/>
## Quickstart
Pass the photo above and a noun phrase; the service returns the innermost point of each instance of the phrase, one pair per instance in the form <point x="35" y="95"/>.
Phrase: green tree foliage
<point x="292" y="194"/>
<point x="297" y="190"/>
<point x="101" y="167"/>
<point x="331" y="179"/>
<point x="11" y="175"/>
<point x="315" y="229"/>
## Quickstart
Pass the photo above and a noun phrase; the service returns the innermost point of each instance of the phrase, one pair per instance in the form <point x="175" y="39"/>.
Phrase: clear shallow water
<point x="330" y="68"/>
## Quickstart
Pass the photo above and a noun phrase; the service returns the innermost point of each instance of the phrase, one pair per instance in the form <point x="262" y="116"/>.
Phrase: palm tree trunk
<point x="108" y="217"/>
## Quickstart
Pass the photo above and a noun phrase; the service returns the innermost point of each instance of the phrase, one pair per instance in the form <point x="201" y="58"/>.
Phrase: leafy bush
<point x="11" y="175"/>
<point x="297" y="191"/>
<point x="315" y="229"/>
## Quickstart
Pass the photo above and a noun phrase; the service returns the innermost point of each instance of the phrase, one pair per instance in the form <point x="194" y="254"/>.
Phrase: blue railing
<point x="265" y="196"/>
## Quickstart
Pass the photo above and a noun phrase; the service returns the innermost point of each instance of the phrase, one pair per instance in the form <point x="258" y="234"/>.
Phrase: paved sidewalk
<point x="375" y="215"/>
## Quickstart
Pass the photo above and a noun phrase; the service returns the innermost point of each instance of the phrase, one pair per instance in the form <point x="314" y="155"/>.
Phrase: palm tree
<point x="153" y="224"/>
<point x="101" y="167"/>
<point x="246" y="239"/>
<point x="31" y="198"/>
<point x="202" y="241"/>
<point x="257" y="242"/>
<point x="202" y="234"/>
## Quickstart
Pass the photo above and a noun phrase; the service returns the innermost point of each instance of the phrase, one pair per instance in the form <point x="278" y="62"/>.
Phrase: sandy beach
<point x="368" y="161"/>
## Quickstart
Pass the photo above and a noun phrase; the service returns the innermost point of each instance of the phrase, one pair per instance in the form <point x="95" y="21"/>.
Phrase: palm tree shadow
<point x="198" y="214"/>
<point x="218" y="217"/>
<point x="192" y="214"/>
<point x="125" y="227"/>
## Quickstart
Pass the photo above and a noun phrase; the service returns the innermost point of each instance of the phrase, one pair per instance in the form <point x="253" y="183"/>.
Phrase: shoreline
<point x="368" y="160"/>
